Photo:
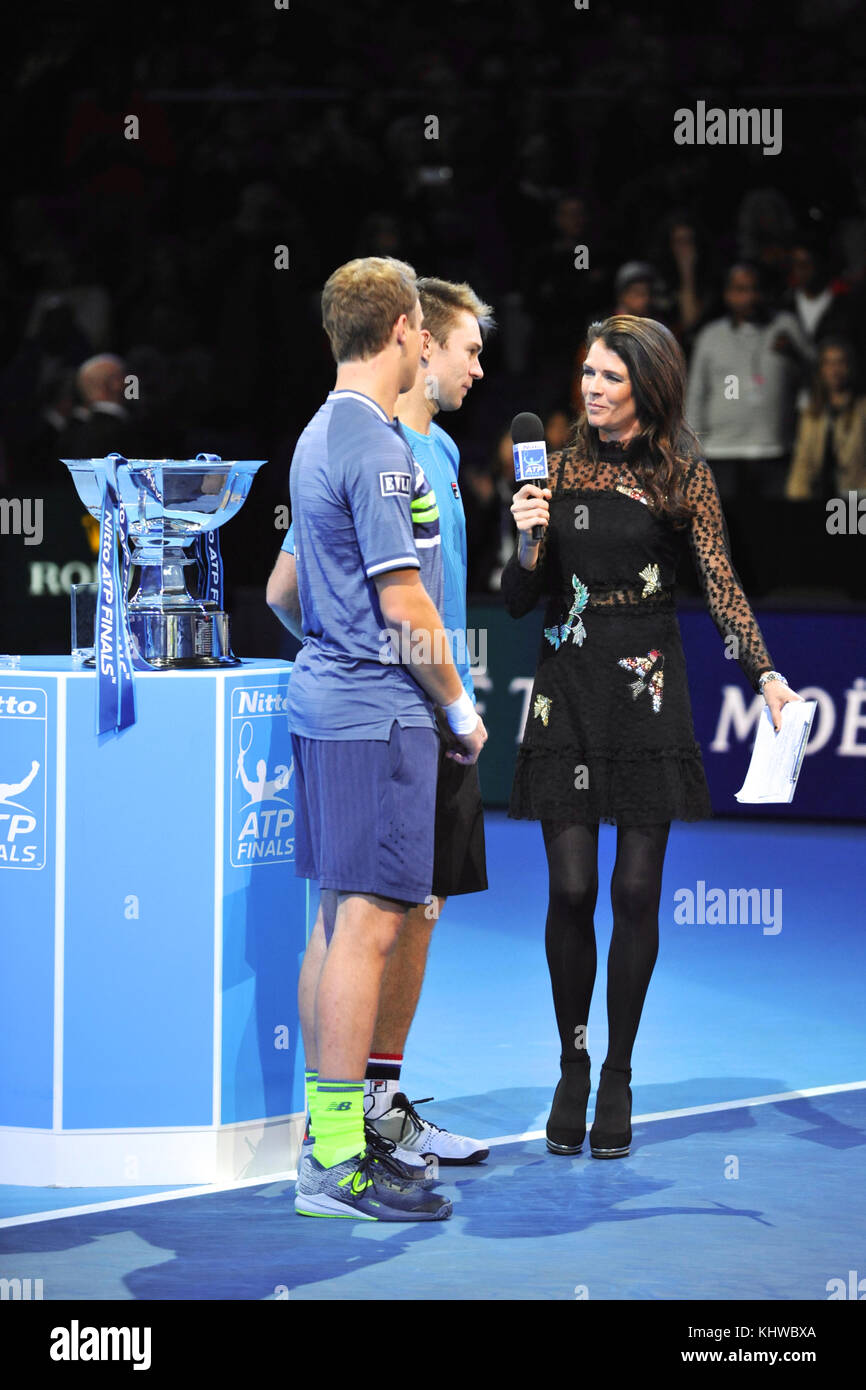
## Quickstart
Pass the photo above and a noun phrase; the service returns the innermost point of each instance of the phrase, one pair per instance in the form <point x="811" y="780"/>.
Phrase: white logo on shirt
<point x="395" y="484"/>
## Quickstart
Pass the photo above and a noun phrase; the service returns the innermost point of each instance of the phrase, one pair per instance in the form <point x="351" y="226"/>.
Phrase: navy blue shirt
<point x="361" y="506"/>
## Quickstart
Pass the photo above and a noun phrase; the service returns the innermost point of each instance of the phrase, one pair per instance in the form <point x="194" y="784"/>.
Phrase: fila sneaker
<point x="406" y="1169"/>
<point x="416" y="1138"/>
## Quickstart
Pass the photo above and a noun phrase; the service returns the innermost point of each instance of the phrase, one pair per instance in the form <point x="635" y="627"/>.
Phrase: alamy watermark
<point x="846" y="516"/>
<point x="736" y="126"/>
<point x="22" y="516"/>
<point x="463" y="645"/>
<point x="854" y="1287"/>
<point x="77" y="1343"/>
<point x="715" y="907"/>
<point x="23" y="1289"/>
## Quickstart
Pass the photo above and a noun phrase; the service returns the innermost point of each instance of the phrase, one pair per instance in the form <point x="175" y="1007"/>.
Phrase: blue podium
<point x="151" y="929"/>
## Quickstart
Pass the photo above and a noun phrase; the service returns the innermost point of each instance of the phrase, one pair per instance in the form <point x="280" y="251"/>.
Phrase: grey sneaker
<point x="393" y="1168"/>
<point x="362" y="1187"/>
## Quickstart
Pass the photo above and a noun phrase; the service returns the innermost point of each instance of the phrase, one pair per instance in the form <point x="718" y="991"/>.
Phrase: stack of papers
<point x="776" y="757"/>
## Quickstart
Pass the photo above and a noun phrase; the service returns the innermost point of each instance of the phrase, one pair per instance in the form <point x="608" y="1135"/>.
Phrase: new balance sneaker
<point x="416" y="1138"/>
<point x="405" y="1170"/>
<point x="305" y="1154"/>
<point x="361" y="1187"/>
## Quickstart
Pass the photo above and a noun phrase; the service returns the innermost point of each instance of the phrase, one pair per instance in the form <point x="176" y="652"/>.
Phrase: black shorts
<point x="459" y="858"/>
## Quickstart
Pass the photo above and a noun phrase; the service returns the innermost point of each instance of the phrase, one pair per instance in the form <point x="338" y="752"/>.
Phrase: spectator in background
<point x="820" y="311"/>
<point x="830" y="449"/>
<point x="558" y="426"/>
<point x="765" y="231"/>
<point x="106" y="427"/>
<point x="635" y="289"/>
<point x="742" y="388"/>
<point x="684" y="288"/>
<point x="560" y="292"/>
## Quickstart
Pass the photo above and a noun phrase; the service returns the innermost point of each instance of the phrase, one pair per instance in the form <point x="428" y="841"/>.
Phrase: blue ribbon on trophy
<point x="209" y="565"/>
<point x="116" y="653"/>
<point x="142" y="478"/>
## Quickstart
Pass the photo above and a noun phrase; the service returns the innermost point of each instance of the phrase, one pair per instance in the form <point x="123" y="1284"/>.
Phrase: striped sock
<point x="311" y="1077"/>
<point x="339" y="1121"/>
<point x="384" y="1066"/>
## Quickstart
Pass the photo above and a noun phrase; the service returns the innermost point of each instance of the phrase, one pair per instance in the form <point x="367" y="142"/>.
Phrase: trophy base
<point x="182" y="638"/>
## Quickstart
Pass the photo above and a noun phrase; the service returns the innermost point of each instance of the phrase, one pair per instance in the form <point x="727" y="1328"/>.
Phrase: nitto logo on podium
<point x="259" y="778"/>
<point x="23" y="751"/>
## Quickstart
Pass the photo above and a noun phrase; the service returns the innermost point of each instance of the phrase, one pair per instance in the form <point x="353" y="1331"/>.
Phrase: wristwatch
<point x="771" y="676"/>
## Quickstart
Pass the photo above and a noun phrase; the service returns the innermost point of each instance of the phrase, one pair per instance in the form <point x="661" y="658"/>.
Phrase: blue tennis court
<point x="745" y="1179"/>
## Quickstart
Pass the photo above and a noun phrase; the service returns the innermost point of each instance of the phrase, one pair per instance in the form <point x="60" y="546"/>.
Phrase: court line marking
<point x="175" y="1195"/>
<point x="207" y="1189"/>
<point x="701" y="1109"/>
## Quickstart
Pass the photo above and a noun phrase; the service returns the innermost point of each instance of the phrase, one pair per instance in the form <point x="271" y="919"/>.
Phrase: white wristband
<point x="461" y="714"/>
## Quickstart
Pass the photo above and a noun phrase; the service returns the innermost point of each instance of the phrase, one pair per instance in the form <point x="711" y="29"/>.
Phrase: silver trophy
<point x="170" y="503"/>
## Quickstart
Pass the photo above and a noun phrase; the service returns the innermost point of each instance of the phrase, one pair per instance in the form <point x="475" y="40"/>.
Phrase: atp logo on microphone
<point x="530" y="461"/>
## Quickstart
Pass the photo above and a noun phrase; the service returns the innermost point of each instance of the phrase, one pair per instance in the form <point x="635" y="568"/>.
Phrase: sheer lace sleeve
<point x="720" y="584"/>
<point x="521" y="588"/>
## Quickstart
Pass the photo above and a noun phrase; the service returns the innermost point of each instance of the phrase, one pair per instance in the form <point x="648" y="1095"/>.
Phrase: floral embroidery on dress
<point x="651" y="675"/>
<point x="637" y="494"/>
<point x="573" y="626"/>
<point x="541" y="708"/>
<point x="652" y="580"/>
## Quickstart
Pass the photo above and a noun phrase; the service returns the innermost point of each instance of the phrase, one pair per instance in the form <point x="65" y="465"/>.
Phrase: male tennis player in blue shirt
<point x="363" y="730"/>
<point x="455" y="322"/>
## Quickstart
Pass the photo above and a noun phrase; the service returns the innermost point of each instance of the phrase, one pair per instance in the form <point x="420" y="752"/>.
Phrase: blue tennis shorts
<point x="365" y="813"/>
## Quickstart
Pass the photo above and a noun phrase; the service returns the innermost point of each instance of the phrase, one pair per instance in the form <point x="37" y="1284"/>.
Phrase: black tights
<point x="635" y="889"/>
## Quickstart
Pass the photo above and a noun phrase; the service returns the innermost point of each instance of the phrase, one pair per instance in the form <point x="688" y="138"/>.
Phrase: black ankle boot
<point x="610" y="1136"/>
<point x="566" y="1124"/>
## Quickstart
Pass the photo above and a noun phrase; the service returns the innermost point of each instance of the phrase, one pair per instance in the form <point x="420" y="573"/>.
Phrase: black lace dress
<point x="609" y="733"/>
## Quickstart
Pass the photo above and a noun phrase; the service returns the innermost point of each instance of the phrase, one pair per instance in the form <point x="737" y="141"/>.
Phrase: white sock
<point x="377" y="1097"/>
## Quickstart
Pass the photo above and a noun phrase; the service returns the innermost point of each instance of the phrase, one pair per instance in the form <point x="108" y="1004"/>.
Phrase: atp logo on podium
<point x="260" y="778"/>
<point x="23" y="752"/>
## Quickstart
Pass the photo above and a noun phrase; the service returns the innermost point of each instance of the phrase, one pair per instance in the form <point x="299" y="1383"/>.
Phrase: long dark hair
<point x="819" y="396"/>
<point x="659" y="455"/>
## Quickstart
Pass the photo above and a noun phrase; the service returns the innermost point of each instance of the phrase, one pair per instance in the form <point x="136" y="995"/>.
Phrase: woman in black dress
<point x="609" y="733"/>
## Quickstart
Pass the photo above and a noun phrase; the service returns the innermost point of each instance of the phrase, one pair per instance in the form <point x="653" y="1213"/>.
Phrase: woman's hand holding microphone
<point x="530" y="508"/>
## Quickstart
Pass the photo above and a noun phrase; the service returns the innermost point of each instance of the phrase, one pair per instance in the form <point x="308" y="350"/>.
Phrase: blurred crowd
<point x="141" y="304"/>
